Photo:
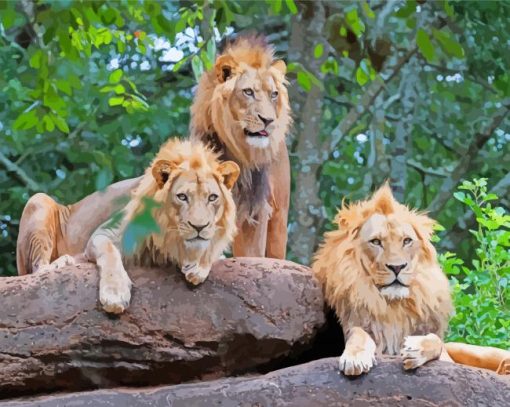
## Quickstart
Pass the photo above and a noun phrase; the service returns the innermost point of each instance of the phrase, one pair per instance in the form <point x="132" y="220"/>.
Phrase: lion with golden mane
<point x="380" y="274"/>
<point x="241" y="108"/>
<point x="195" y="214"/>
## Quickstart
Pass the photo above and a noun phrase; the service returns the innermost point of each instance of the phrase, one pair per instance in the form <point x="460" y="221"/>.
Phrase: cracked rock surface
<point x="55" y="336"/>
<point x="316" y="384"/>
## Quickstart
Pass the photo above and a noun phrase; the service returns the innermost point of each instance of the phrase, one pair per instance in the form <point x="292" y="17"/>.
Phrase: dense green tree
<point x="412" y="91"/>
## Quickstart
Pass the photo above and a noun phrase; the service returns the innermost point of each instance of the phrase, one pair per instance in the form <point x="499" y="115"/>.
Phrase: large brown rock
<point x="54" y="335"/>
<point x="314" y="384"/>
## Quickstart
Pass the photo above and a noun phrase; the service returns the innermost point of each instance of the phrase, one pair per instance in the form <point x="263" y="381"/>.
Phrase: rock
<point x="317" y="383"/>
<point x="54" y="335"/>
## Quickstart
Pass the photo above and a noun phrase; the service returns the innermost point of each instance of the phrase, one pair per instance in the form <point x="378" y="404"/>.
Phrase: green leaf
<point x="304" y="81"/>
<point x="318" y="51"/>
<point x="48" y="123"/>
<point x="103" y="179"/>
<point x="142" y="225"/>
<point x="197" y="66"/>
<point x="354" y="22"/>
<point x="36" y="59"/>
<point x="448" y="44"/>
<point x="61" y="124"/>
<point x="115" y="76"/>
<point x="116" y="101"/>
<point x="425" y="45"/>
<point x="368" y="11"/>
<point x="361" y="76"/>
<point x="291" y="5"/>
<point x="26" y="120"/>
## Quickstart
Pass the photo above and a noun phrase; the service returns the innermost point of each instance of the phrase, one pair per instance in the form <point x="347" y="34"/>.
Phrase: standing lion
<point x="241" y="108"/>
<point x="380" y="273"/>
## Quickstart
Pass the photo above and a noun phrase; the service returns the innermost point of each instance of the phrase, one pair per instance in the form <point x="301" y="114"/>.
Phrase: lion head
<point x="244" y="101"/>
<point x="380" y="271"/>
<point x="196" y="212"/>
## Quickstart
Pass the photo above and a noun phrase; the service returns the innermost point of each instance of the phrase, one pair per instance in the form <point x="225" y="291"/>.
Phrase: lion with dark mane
<point x="241" y="108"/>
<point x="381" y="275"/>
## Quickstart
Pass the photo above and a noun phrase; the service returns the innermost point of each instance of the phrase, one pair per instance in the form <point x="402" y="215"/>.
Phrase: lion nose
<point x="396" y="268"/>
<point x="266" y="120"/>
<point x="198" y="228"/>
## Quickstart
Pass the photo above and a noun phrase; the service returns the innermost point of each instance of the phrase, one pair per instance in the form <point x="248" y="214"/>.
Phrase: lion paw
<point x="355" y="364"/>
<point x="195" y="274"/>
<point x="504" y="367"/>
<point x="115" y="295"/>
<point x="418" y="350"/>
<point x="62" y="261"/>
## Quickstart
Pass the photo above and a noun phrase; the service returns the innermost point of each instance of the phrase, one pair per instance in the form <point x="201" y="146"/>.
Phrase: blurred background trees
<point x="417" y="92"/>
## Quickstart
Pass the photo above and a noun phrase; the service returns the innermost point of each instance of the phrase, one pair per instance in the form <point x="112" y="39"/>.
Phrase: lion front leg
<point x="276" y="246"/>
<point x="418" y="350"/>
<point x="251" y="239"/>
<point x="114" y="282"/>
<point x="359" y="353"/>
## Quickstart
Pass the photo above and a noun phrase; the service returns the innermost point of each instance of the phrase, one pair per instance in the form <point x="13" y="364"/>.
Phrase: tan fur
<point x="190" y="167"/>
<point x="223" y="112"/>
<point x="193" y="232"/>
<point x="195" y="216"/>
<point x="405" y="312"/>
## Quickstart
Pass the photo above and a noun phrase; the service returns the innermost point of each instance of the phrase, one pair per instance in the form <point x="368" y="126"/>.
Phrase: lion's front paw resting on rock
<point x="62" y="261"/>
<point x="195" y="274"/>
<point x="418" y="350"/>
<point x="354" y="362"/>
<point x="115" y="294"/>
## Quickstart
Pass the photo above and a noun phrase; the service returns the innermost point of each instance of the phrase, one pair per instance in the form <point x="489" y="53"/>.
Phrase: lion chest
<point x="390" y="330"/>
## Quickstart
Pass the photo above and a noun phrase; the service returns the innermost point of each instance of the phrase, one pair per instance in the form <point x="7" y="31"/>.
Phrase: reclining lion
<point x="380" y="274"/>
<point x="195" y="216"/>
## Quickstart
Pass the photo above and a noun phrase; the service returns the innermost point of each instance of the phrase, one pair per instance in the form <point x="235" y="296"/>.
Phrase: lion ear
<point x="280" y="66"/>
<point x="224" y="67"/>
<point x="161" y="171"/>
<point x="229" y="170"/>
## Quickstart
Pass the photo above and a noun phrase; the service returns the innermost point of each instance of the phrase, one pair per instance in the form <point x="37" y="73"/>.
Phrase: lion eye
<point x="213" y="197"/>
<point x="376" y="242"/>
<point x="274" y="94"/>
<point x="182" y="197"/>
<point x="248" y="92"/>
<point x="407" y="241"/>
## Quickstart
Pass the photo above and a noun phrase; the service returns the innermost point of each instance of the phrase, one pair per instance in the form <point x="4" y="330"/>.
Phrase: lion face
<point x="196" y="200"/>
<point x="197" y="203"/>
<point x="254" y="106"/>
<point x="244" y="101"/>
<point x="389" y="250"/>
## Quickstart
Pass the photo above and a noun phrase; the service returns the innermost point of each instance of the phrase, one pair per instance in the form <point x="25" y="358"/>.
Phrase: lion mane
<point x="212" y="116"/>
<point x="169" y="245"/>
<point x="350" y="291"/>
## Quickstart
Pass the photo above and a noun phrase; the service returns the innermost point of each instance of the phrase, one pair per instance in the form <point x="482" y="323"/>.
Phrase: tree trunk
<point x="55" y="336"/>
<point x="306" y="28"/>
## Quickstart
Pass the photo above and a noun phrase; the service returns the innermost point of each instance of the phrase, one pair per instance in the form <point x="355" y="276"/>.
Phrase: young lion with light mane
<point x="195" y="216"/>
<point x="380" y="273"/>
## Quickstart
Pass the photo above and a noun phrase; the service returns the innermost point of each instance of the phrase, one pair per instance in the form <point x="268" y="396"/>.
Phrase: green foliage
<point x="482" y="291"/>
<point x="142" y="225"/>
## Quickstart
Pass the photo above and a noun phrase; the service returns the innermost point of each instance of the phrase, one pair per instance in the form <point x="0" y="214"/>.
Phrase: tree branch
<point x="374" y="89"/>
<point x="29" y="182"/>
<point x="427" y="170"/>
<point x="463" y="165"/>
